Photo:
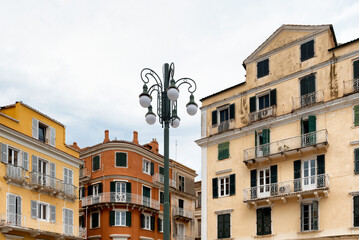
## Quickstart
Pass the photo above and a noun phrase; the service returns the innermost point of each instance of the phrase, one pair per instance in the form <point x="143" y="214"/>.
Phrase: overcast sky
<point x="80" y="61"/>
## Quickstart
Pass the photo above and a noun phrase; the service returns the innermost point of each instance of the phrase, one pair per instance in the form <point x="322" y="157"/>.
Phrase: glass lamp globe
<point x="173" y="93"/>
<point x="145" y="100"/>
<point x="175" y="123"/>
<point x="192" y="108"/>
<point x="150" y="118"/>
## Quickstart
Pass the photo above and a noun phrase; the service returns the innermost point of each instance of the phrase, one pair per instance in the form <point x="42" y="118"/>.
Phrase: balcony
<point x="70" y="191"/>
<point x="222" y="127"/>
<point x="10" y="222"/>
<point x="46" y="183"/>
<point x="287" y="147"/>
<point x="261" y="114"/>
<point x="84" y="174"/>
<point x="180" y="213"/>
<point x="16" y="174"/>
<point x="159" y="178"/>
<point x="121" y="198"/>
<point x="181" y="237"/>
<point x="313" y="185"/>
<point x="308" y="99"/>
<point x="351" y="86"/>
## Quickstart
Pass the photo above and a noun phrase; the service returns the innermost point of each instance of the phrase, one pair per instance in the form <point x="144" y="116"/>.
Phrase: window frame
<point x="98" y="222"/>
<point x="47" y="209"/>
<point x="181" y="183"/>
<point x="262" y="94"/>
<point x="99" y="163"/>
<point x="225" y="184"/>
<point x="147" y="221"/>
<point x="221" y="147"/>
<point x="300" y="50"/>
<point x="14" y="150"/>
<point x="120" y="213"/>
<point x="146" y="164"/>
<point x="262" y="62"/>
<point x="308" y="203"/>
<point x="117" y="166"/>
<point x="271" y="225"/>
<point x="161" y="230"/>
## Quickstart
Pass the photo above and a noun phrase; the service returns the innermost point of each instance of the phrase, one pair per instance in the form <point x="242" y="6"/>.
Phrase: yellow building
<point x="38" y="177"/>
<point x="280" y="151"/>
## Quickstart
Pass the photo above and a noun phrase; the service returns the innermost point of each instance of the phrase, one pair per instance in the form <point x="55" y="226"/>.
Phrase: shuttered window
<point x="68" y="221"/>
<point x="309" y="216"/>
<point x="120" y="218"/>
<point x="224" y="226"/>
<point x="264" y="221"/>
<point x="356" y="115"/>
<point x="356" y="211"/>
<point x="226" y="113"/>
<point x="263" y="68"/>
<point x="95" y="220"/>
<point x="162" y="197"/>
<point x="223" y="150"/>
<point x="227" y="186"/>
<point x="356" y="69"/>
<point x="307" y="50"/>
<point x="96" y="163"/>
<point x="121" y="159"/>
<point x="356" y="160"/>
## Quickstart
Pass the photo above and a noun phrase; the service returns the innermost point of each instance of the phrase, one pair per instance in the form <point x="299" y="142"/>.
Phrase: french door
<point x="309" y="177"/>
<point x="264" y="183"/>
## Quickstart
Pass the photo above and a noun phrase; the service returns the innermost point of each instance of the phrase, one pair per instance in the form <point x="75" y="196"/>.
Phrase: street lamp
<point x="167" y="95"/>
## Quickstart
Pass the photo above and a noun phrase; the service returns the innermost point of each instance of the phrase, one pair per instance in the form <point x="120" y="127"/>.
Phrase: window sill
<point x="309" y="232"/>
<point x="353" y="228"/>
<point x="121" y="166"/>
<point x="147" y="229"/>
<point x="264" y="236"/>
<point x="224" y="238"/>
<point x="95" y="228"/>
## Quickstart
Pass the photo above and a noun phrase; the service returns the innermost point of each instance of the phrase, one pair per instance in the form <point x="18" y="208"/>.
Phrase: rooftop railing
<point x="113" y="197"/>
<point x="308" y="99"/>
<point x="20" y="222"/>
<point x="182" y="212"/>
<point x="260" y="114"/>
<point x="161" y="179"/>
<point x="310" y="183"/>
<point x="285" y="145"/>
<point x="351" y="86"/>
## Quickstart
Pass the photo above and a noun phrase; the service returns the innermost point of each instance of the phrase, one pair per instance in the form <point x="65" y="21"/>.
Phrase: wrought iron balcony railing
<point x="16" y="173"/>
<point x="308" y="99"/>
<point x="351" y="86"/>
<point x="19" y="222"/>
<point x="161" y="179"/>
<point x="261" y="114"/>
<point x="285" y="188"/>
<point x="84" y="173"/>
<point x="70" y="190"/>
<point x="46" y="181"/>
<point x="182" y="212"/>
<point x="286" y="145"/>
<point x="113" y="197"/>
<point x="222" y="127"/>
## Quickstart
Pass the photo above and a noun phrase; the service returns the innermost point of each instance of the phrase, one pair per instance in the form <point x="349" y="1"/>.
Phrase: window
<point x="264" y="182"/>
<point x="226" y="113"/>
<point x="162" y="197"/>
<point x="81" y="192"/>
<point x="307" y="50"/>
<point x="43" y="211"/>
<point x="224" y="226"/>
<point x="356" y="211"/>
<point x="146" y="196"/>
<point x="263" y="101"/>
<point x="180" y="203"/>
<point x="308" y="90"/>
<point x="120" y="218"/>
<point x="96" y="163"/>
<point x="160" y="225"/>
<point x="43" y="132"/>
<point x="95" y="220"/>
<point x="13" y="214"/>
<point x="82" y="221"/>
<point x="223" y="150"/>
<point x="121" y="159"/>
<point x="356" y="115"/>
<point x="262" y="143"/>
<point x="309" y="216"/>
<point x="96" y="190"/>
<point x="263" y="68"/>
<point x="68" y="181"/>
<point x="224" y="186"/>
<point x="146" y="167"/>
<point x="68" y="220"/>
<point x="181" y="183"/>
<point x="356" y="160"/>
<point x="181" y="230"/>
<point x="199" y="197"/>
<point x="356" y="76"/>
<point x="264" y="221"/>
<point x="13" y="156"/>
<point x="147" y="222"/>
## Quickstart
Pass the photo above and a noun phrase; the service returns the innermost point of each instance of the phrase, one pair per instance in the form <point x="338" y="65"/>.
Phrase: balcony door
<point x="13" y="214"/>
<point x="264" y="183"/>
<point x="120" y="192"/>
<point x="309" y="178"/>
<point x="42" y="171"/>
<point x="146" y="196"/>
<point x="307" y="90"/>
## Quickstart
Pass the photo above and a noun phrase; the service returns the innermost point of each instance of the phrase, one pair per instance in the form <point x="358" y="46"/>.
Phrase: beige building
<point x="197" y="213"/>
<point x="280" y="151"/>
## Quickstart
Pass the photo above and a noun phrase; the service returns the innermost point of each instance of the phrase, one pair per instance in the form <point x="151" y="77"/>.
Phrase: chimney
<point x="135" y="137"/>
<point x="154" y="145"/>
<point x="74" y="145"/>
<point x="107" y="139"/>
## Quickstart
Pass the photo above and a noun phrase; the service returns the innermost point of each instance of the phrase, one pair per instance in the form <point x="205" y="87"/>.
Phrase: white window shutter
<point x="53" y="213"/>
<point x="35" y="128"/>
<point x="53" y="170"/>
<point x="3" y="153"/>
<point x="25" y="161"/>
<point x="66" y="176"/>
<point x="34" y="164"/>
<point x="70" y="177"/>
<point x="33" y="209"/>
<point x="52" y="136"/>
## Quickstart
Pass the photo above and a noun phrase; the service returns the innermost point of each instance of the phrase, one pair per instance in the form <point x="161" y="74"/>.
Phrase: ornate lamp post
<point x="167" y="95"/>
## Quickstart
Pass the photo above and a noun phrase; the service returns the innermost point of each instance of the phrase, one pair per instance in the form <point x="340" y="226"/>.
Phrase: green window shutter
<point x="252" y="104"/>
<point x="128" y="192"/>
<point x="273" y="174"/>
<point x="34" y="163"/>
<point x="159" y="224"/>
<point x="220" y="226"/>
<point x="297" y="175"/>
<point x="356" y="115"/>
<point x="304" y="86"/>
<point x="152" y="168"/>
<point x="320" y="164"/>
<point x="232" y="113"/>
<point x="266" y="136"/>
<point x="223" y="150"/>
<point x="162" y="170"/>
<point x="273" y="97"/>
<point x="260" y="221"/>
<point x="254" y="178"/>
<point x="356" y="69"/>
<point x="121" y="159"/>
<point x="356" y="211"/>
<point x="99" y="187"/>
<point x="215" y="187"/>
<point x="311" y="83"/>
<point x="142" y="219"/>
<point x="356" y="160"/>
<point x="214" y="117"/>
<point x="152" y="223"/>
<point x="227" y="225"/>
<point x="232" y="184"/>
<point x="128" y="219"/>
<point x="89" y="189"/>
<point x="96" y="163"/>
<point x="162" y="197"/>
<point x="112" y="218"/>
<point x="112" y="186"/>
<point x="312" y="123"/>
<point x="267" y="229"/>
<point x="255" y="138"/>
<point x="315" y="215"/>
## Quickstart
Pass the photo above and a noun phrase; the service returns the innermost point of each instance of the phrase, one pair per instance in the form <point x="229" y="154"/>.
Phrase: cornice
<point x="318" y="108"/>
<point x="38" y="146"/>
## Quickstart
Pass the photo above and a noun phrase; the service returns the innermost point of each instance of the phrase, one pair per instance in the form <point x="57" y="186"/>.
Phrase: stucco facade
<point x="278" y="150"/>
<point x="121" y="194"/>
<point x="38" y="177"/>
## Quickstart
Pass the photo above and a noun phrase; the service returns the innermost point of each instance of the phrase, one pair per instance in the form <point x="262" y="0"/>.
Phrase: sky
<point x="80" y="61"/>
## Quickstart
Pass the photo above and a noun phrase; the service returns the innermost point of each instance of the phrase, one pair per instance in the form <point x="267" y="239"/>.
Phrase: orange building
<point x="121" y="191"/>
